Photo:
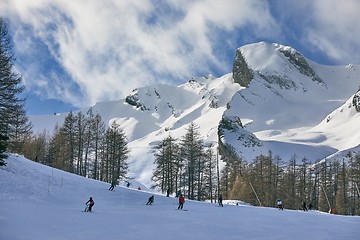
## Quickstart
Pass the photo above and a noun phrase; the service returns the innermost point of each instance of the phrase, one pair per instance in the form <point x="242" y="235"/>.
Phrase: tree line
<point x="84" y="146"/>
<point x="329" y="185"/>
<point x="187" y="165"/>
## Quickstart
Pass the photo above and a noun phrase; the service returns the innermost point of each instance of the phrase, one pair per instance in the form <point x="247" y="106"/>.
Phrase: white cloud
<point x="329" y="27"/>
<point x="107" y="48"/>
<point x="336" y="30"/>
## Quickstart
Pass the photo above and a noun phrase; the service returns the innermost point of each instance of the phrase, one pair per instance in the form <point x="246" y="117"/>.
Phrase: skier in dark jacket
<point x="151" y="200"/>
<point x="220" y="201"/>
<point x="113" y="184"/>
<point x="310" y="206"/>
<point x="90" y="203"/>
<point x="181" y="201"/>
<point x="304" y="206"/>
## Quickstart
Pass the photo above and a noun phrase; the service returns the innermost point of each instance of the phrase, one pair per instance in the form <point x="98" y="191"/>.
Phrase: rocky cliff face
<point x="356" y="101"/>
<point x="242" y="74"/>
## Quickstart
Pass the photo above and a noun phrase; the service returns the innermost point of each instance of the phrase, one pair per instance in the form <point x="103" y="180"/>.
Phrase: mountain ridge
<point x="283" y="95"/>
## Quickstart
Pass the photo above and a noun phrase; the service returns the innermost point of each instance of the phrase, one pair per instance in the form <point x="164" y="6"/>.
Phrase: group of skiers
<point x="181" y="201"/>
<point x="281" y="207"/>
<point x="90" y="203"/>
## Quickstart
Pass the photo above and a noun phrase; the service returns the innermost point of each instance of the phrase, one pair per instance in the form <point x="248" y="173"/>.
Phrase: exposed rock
<point x="242" y="74"/>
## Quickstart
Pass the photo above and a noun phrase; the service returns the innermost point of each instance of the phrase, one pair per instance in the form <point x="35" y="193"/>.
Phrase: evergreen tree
<point x="10" y="88"/>
<point x="354" y="184"/>
<point x="69" y="142"/>
<point x="79" y="137"/>
<point x="192" y="151"/>
<point x="165" y="172"/>
<point x="210" y="177"/>
<point x="20" y="129"/>
<point x="116" y="153"/>
<point x="98" y="127"/>
<point x="341" y="197"/>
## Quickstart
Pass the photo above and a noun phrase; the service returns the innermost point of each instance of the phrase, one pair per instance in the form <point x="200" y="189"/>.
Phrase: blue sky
<point x="73" y="54"/>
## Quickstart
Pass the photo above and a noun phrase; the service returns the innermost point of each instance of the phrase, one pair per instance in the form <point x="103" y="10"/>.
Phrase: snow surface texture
<point x="39" y="202"/>
<point x="291" y="106"/>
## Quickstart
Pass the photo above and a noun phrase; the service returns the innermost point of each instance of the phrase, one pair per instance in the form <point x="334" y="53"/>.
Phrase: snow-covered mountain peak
<point x="274" y="99"/>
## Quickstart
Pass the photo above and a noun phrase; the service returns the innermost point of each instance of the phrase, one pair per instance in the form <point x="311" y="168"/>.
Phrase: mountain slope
<point x="275" y="99"/>
<point x="286" y="96"/>
<point x="38" y="202"/>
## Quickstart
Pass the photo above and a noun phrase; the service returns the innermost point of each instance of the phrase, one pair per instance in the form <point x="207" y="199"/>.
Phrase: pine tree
<point x="210" y="177"/>
<point x="192" y="151"/>
<point x="79" y="137"/>
<point x="20" y="130"/>
<point x="116" y="153"/>
<point x="99" y="132"/>
<point x="342" y="192"/>
<point x="10" y="88"/>
<point x="165" y="172"/>
<point x="68" y="138"/>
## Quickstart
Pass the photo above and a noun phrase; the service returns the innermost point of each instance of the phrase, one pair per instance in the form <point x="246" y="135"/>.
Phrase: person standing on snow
<point x="181" y="202"/>
<point x="310" y="206"/>
<point x="304" y="206"/>
<point x="280" y="204"/>
<point x="220" y="201"/>
<point x="90" y="204"/>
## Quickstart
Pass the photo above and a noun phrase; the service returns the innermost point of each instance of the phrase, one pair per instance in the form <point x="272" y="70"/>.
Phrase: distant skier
<point x="304" y="206"/>
<point x="181" y="202"/>
<point x="90" y="203"/>
<point x="168" y="192"/>
<point x="127" y="184"/>
<point x="178" y="193"/>
<point x="280" y="204"/>
<point x="151" y="200"/>
<point x="220" y="201"/>
<point x="310" y="206"/>
<point x="113" y="184"/>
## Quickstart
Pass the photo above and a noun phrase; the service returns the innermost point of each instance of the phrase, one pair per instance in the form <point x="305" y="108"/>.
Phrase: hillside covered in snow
<point x="39" y="202"/>
<point x="275" y="99"/>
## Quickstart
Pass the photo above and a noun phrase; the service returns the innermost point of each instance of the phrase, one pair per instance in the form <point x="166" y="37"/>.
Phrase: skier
<point x="304" y="206"/>
<point x="310" y="206"/>
<point x="178" y="193"/>
<point x="168" y="192"/>
<point x="113" y="184"/>
<point x="127" y="184"/>
<point x="151" y="200"/>
<point x="181" y="202"/>
<point x="220" y="201"/>
<point x="280" y="204"/>
<point x="90" y="203"/>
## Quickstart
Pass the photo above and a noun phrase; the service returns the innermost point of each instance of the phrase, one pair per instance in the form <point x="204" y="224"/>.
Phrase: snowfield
<point x="39" y="202"/>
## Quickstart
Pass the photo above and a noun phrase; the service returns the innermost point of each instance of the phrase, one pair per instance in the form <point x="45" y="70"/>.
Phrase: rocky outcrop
<point x="242" y="74"/>
<point x="300" y="63"/>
